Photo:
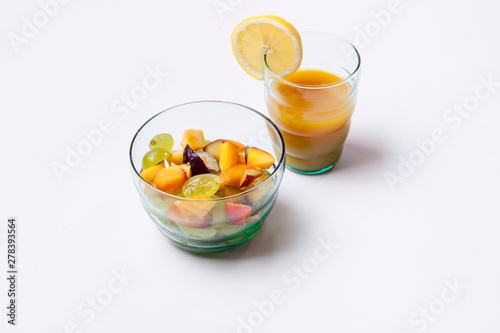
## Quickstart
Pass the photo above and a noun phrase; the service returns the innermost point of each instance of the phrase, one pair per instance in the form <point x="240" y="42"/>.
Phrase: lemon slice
<point x="271" y="37"/>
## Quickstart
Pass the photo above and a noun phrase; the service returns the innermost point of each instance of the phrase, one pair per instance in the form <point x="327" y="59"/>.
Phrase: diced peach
<point x="237" y="213"/>
<point x="194" y="138"/>
<point x="241" y="153"/>
<point x="232" y="176"/>
<point x="188" y="214"/>
<point x="228" y="155"/>
<point x="170" y="180"/>
<point x="248" y="176"/>
<point x="187" y="168"/>
<point x="176" y="157"/>
<point x="149" y="173"/>
<point x="257" y="158"/>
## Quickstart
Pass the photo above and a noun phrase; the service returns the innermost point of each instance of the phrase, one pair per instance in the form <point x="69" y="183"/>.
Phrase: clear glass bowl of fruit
<point x="208" y="173"/>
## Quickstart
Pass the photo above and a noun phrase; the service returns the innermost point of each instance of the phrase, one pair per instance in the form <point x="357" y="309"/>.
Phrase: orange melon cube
<point x="257" y="158"/>
<point x="170" y="180"/>
<point x="232" y="176"/>
<point x="228" y="155"/>
<point x="194" y="138"/>
<point x="149" y="173"/>
<point x="176" y="157"/>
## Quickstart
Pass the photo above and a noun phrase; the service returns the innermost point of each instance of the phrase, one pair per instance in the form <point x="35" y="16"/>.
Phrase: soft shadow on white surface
<point x="275" y="236"/>
<point x="359" y="155"/>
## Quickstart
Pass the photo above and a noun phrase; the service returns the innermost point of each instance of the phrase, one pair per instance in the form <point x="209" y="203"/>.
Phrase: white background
<point x="397" y="246"/>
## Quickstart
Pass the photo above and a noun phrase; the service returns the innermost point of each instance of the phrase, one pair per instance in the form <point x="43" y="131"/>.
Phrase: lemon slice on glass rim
<point x="269" y="37"/>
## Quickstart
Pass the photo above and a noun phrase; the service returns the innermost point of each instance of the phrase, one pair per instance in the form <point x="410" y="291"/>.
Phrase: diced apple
<point x="185" y="213"/>
<point x="176" y="157"/>
<point x="257" y="158"/>
<point x="258" y="193"/>
<point x="194" y="138"/>
<point x="149" y="173"/>
<point x="232" y="176"/>
<point x="213" y="149"/>
<point x="170" y="180"/>
<point x="237" y="214"/>
<point x="228" y="155"/>
<point x="248" y="176"/>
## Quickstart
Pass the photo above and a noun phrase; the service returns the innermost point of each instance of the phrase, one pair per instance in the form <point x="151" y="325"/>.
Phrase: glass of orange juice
<point x="313" y="106"/>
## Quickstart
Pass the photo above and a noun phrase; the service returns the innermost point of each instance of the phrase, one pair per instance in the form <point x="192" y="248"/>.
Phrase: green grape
<point x="205" y="184"/>
<point x="164" y="141"/>
<point x="153" y="157"/>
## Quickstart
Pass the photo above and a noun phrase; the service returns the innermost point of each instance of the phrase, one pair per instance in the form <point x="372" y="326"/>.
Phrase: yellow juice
<point x="313" y="109"/>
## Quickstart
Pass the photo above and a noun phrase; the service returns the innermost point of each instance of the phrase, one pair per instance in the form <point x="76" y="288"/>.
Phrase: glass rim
<point x="268" y="120"/>
<point x="321" y="86"/>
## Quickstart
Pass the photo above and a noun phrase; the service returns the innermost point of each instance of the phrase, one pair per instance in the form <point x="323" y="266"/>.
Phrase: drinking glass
<point x="313" y="117"/>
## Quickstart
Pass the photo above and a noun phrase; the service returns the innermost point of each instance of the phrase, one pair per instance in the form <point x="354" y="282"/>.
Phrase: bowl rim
<point x="280" y="164"/>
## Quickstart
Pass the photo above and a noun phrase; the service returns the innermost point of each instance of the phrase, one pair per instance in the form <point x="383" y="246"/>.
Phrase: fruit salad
<point x="216" y="188"/>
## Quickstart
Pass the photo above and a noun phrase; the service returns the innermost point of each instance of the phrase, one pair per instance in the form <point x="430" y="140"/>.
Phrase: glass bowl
<point x="217" y="120"/>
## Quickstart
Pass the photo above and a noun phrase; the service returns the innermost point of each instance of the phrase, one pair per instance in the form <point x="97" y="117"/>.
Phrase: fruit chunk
<point x="164" y="141"/>
<point x="170" y="180"/>
<point x="248" y="176"/>
<point x="267" y="37"/>
<point x="194" y="138"/>
<point x="153" y="157"/>
<point x="258" y="193"/>
<point x="231" y="190"/>
<point x="206" y="185"/>
<point x="149" y="173"/>
<point x="197" y="165"/>
<point x="228" y="155"/>
<point x="176" y="157"/>
<point x="213" y="149"/>
<point x="210" y="162"/>
<point x="239" y="144"/>
<point x="189" y="214"/>
<point x="237" y="213"/>
<point x="232" y="176"/>
<point x="187" y="168"/>
<point x="257" y="158"/>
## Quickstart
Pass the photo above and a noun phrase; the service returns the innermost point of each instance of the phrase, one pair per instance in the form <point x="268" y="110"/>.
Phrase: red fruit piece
<point x="248" y="176"/>
<point x="237" y="213"/>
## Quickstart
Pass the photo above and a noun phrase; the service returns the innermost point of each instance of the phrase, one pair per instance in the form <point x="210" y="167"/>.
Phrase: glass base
<point x="315" y="172"/>
<point x="309" y="166"/>
<point x="214" y="248"/>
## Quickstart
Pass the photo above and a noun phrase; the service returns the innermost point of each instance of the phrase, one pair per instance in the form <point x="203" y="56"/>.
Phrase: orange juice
<point x="313" y="109"/>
